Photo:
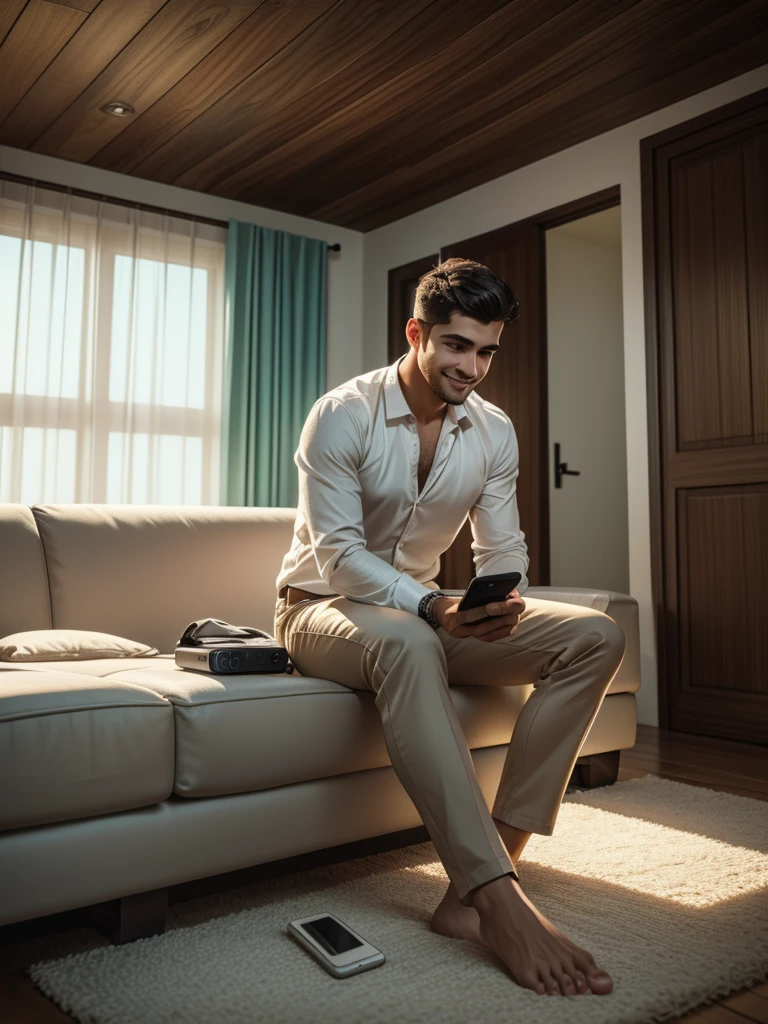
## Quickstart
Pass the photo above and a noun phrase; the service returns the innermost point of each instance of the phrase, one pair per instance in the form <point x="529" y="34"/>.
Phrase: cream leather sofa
<point x="120" y="777"/>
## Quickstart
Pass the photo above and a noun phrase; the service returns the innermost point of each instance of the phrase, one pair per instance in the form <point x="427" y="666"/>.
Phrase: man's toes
<point x="600" y="982"/>
<point x="550" y="982"/>
<point x="583" y="959"/>
<point x="567" y="984"/>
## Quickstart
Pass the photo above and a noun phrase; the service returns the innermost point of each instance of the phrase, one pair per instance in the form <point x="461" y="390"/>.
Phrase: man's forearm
<point x="362" y="576"/>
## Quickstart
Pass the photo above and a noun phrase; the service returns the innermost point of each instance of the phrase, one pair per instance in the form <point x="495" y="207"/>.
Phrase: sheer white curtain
<point x="111" y="351"/>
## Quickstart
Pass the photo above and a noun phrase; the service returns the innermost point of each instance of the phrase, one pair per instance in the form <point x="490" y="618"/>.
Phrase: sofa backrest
<point x="140" y="571"/>
<point x="24" y="600"/>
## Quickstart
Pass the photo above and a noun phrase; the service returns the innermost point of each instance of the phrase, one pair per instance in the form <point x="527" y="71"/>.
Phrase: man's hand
<point x="505" y="615"/>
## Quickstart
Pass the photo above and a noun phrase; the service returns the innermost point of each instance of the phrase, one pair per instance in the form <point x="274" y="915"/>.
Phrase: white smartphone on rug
<point x="339" y="948"/>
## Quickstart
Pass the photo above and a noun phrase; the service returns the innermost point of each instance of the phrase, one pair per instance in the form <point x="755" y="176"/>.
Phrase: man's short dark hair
<point x="466" y="287"/>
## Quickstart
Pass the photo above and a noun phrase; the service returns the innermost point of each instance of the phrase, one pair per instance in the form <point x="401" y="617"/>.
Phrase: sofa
<point x="121" y="776"/>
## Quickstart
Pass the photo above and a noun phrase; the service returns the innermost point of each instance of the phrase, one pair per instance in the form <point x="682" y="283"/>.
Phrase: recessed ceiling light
<point x="118" y="108"/>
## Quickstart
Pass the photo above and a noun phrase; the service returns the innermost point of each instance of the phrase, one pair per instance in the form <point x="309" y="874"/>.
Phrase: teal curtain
<point x="275" y="307"/>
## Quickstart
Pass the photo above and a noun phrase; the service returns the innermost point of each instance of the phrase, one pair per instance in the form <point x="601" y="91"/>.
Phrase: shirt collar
<point x="396" y="405"/>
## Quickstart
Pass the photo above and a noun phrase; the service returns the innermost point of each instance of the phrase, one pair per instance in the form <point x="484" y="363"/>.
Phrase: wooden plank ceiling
<point x="354" y="112"/>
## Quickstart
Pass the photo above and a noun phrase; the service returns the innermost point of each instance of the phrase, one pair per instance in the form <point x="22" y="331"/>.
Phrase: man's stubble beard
<point x="439" y="386"/>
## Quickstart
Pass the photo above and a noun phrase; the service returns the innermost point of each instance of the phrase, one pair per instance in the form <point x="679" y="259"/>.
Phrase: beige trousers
<point x="569" y="653"/>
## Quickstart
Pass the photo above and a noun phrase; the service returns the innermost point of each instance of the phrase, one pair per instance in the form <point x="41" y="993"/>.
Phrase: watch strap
<point x="426" y="605"/>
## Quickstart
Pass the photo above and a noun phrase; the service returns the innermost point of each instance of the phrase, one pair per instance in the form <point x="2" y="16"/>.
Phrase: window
<point x="111" y="352"/>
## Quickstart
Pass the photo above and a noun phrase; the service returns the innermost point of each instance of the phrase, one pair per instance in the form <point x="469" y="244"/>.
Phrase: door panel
<point x="402" y="285"/>
<point x="517" y="383"/>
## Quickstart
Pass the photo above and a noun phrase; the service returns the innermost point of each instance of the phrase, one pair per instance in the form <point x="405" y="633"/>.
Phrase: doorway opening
<point x="588" y="527"/>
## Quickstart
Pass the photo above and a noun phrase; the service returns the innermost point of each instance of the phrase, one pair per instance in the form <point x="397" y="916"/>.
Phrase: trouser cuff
<point x="525" y="822"/>
<point x="488" y="873"/>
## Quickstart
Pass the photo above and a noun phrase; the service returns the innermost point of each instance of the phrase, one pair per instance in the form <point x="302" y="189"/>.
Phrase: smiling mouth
<point x="460" y="383"/>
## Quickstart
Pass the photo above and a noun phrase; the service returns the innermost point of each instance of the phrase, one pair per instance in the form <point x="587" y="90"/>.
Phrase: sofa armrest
<point x="624" y="611"/>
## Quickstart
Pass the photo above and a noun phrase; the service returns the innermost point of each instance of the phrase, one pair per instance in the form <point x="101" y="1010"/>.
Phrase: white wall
<point x="609" y="159"/>
<point x="345" y="268"/>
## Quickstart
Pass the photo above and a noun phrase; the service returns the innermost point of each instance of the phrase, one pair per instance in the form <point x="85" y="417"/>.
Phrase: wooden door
<point x="402" y="285"/>
<point x="705" y="199"/>
<point x="517" y="383"/>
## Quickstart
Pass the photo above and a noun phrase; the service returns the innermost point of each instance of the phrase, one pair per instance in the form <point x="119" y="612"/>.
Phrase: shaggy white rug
<point x="665" y="884"/>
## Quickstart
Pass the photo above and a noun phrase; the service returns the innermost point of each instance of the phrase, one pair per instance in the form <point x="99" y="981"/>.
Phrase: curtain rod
<point x="54" y="187"/>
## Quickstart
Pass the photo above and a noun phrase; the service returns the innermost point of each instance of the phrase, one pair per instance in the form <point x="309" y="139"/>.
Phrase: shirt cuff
<point x="409" y="593"/>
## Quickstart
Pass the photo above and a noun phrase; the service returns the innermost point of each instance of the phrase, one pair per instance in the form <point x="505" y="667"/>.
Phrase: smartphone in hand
<point x="487" y="589"/>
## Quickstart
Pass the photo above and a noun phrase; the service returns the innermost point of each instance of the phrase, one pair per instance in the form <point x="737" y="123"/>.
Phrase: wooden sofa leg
<point x="130" y="917"/>
<point x="597" y="769"/>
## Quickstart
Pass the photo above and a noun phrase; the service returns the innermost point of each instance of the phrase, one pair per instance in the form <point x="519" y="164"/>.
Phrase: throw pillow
<point x="69" y="645"/>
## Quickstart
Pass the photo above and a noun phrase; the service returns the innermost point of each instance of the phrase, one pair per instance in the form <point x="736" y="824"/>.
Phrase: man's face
<point x="454" y="353"/>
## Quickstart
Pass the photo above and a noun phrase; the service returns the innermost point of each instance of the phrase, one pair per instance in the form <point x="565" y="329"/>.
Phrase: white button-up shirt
<point x="362" y="528"/>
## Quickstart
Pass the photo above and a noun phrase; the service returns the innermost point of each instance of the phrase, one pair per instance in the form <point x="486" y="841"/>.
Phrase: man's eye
<point x="453" y="344"/>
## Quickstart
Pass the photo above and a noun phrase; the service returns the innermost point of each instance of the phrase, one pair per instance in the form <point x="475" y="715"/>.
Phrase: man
<point x="391" y="463"/>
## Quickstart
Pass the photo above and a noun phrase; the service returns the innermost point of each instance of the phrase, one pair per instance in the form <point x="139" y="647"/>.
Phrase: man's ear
<point x="413" y="331"/>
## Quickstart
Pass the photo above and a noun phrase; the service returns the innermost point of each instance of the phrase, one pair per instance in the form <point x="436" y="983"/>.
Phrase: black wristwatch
<point x="425" y="607"/>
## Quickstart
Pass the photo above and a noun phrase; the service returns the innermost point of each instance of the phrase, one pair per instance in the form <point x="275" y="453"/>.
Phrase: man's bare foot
<point x="537" y="953"/>
<point x="455" y="920"/>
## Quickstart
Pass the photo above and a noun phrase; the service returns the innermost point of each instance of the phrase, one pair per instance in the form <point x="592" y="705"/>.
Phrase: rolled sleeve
<point x="330" y="498"/>
<point x="498" y="543"/>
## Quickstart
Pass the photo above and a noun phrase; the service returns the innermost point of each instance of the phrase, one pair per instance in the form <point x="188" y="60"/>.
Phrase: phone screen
<point x="332" y="936"/>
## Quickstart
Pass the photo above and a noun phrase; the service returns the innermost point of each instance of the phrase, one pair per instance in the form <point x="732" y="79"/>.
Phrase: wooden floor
<point x="739" y="768"/>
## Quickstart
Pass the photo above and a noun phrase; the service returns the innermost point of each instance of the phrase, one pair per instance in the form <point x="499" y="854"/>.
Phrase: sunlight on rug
<point x="666" y="884"/>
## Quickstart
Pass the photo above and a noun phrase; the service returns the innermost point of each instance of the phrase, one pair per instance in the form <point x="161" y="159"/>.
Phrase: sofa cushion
<point x="236" y="733"/>
<point x="147" y="571"/>
<point x="69" y="645"/>
<point x="75" y="746"/>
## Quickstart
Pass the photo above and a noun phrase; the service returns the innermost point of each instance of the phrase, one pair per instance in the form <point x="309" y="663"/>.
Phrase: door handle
<point x="561" y="468"/>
